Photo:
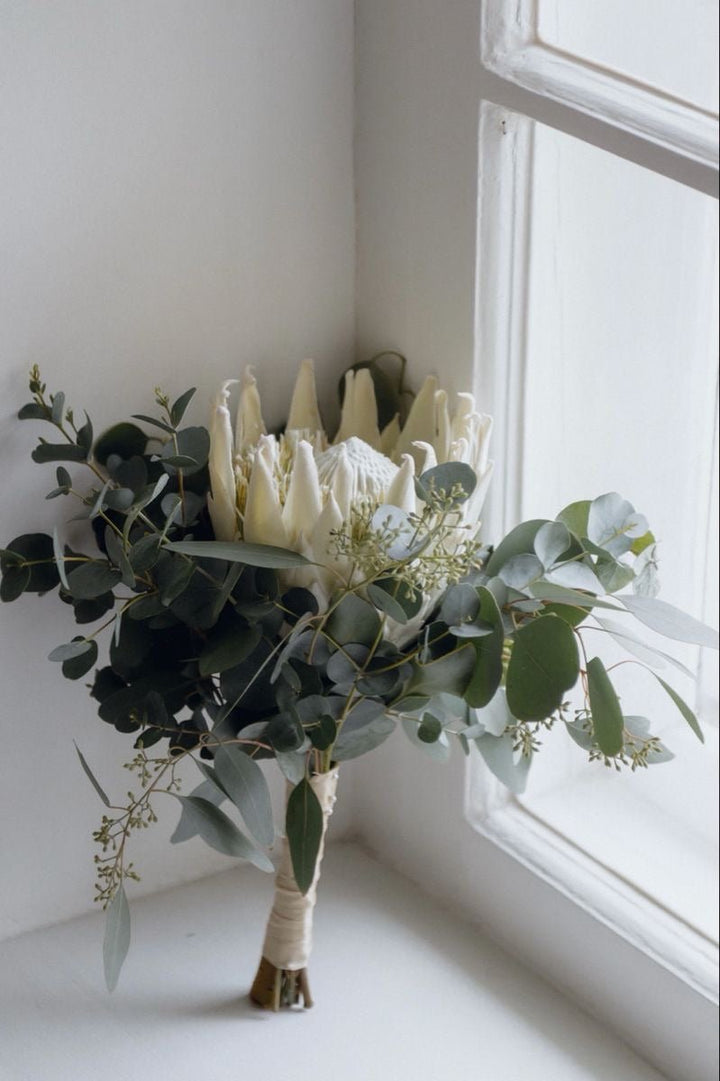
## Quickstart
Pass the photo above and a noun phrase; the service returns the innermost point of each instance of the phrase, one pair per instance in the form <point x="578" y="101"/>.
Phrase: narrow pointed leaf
<point x="177" y="412"/>
<point x="607" y="716"/>
<point x="221" y="833"/>
<point x="117" y="938"/>
<point x="683" y="707"/>
<point x="208" y="790"/>
<point x="670" y="621"/>
<point x="304" y="827"/>
<point x="91" y="776"/>
<point x="253" y="555"/>
<point x="245" y="783"/>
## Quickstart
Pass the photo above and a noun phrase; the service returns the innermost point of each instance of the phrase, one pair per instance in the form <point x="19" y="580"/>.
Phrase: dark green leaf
<point x="178" y="461"/>
<point x="451" y="672"/>
<point x="228" y="643"/>
<point x="394" y="599"/>
<point x="85" y="436"/>
<point x="575" y="517"/>
<point x="353" y="620"/>
<point x="58" y="452"/>
<point x="220" y="832"/>
<point x="487" y="669"/>
<point x="129" y="473"/>
<point x="78" y="666"/>
<point x="177" y="411"/>
<point x="130" y="646"/>
<point x="543" y="666"/>
<point x="245" y="784"/>
<point x="92" y="579"/>
<point x="172" y="576"/>
<point x="37" y="549"/>
<point x="284" y="732"/>
<point x="144" y="553"/>
<point x="154" y="421"/>
<point x="125" y="439"/>
<point x="304" y="827"/>
<point x="194" y="444"/>
<point x="15" y="580"/>
<point x="117" y="938"/>
<point x="322" y="732"/>
<point x="519" y="541"/>
<point x="430" y="729"/>
<point x="33" y="411"/>
<point x="253" y="555"/>
<point x="607" y="717"/>
<point x="355" y="741"/>
<point x="91" y="776"/>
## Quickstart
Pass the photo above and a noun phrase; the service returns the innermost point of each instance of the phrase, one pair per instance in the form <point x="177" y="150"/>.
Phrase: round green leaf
<point x="125" y="439"/>
<point x="38" y="549"/>
<point x="543" y="665"/>
<point x="92" y="579"/>
<point x="78" y="666"/>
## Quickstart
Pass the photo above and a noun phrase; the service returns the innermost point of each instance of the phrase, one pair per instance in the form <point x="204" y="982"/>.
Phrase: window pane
<point x="620" y="395"/>
<point x="663" y="44"/>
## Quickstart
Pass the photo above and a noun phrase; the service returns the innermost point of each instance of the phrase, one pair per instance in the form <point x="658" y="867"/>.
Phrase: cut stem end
<point x="280" y="988"/>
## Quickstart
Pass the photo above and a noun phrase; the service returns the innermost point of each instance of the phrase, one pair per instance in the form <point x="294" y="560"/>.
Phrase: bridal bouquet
<point x="245" y="596"/>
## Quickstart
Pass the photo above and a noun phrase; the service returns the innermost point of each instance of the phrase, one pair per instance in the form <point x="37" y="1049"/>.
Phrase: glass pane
<point x="620" y="395"/>
<point x="664" y="44"/>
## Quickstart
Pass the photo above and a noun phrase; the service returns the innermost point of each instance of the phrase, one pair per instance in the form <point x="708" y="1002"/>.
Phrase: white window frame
<point x="510" y="49"/>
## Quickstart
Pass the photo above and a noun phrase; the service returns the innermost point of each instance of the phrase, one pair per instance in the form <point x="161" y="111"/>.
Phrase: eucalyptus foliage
<point x="193" y="649"/>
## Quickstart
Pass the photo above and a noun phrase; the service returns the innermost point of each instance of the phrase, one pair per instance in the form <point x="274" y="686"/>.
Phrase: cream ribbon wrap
<point x="288" y="936"/>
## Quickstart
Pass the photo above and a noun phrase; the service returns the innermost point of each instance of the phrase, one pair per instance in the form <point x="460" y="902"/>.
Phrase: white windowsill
<point x="404" y="989"/>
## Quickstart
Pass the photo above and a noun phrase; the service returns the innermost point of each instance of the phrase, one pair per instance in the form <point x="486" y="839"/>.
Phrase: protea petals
<point x="359" y="411"/>
<point x="295" y="491"/>
<point x="401" y="492"/>
<point x="250" y="424"/>
<point x="221" y="502"/>
<point x="262" y="521"/>
<point x="420" y="425"/>
<point x="303" y="502"/>
<point x="304" y="413"/>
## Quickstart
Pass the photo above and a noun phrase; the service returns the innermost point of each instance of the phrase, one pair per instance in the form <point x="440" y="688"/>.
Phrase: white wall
<point x="176" y="200"/>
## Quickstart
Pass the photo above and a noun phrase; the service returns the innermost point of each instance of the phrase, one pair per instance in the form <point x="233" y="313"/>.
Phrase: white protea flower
<point x="299" y="491"/>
